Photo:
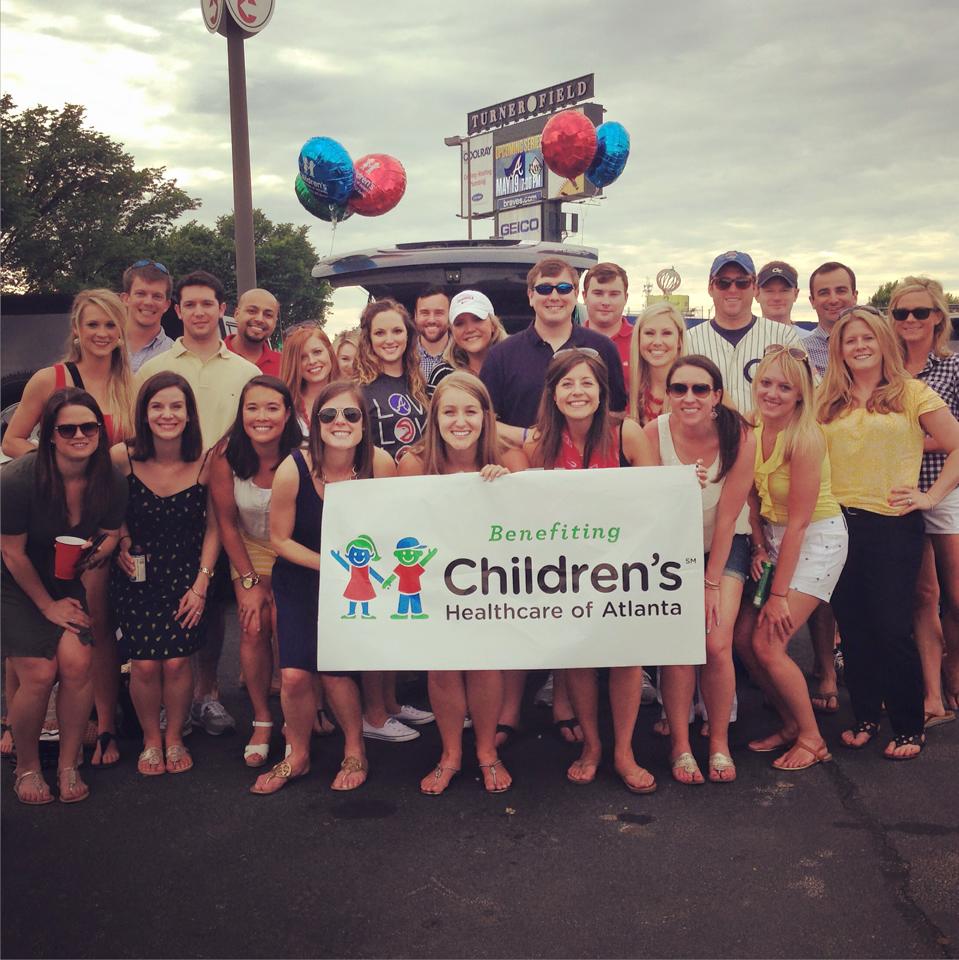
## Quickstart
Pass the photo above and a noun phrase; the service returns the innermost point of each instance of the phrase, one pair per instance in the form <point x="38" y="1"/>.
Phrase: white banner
<point x="540" y="569"/>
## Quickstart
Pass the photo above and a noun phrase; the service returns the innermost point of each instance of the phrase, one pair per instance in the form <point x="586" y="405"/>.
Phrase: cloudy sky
<point x="802" y="131"/>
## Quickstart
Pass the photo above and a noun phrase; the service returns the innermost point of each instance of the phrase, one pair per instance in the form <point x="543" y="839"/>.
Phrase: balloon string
<point x="332" y="236"/>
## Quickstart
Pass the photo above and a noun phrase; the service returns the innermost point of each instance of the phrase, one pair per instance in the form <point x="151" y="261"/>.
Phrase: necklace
<point x="327" y="479"/>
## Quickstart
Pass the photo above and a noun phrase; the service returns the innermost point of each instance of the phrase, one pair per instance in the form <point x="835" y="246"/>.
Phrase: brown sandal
<point x="280" y="775"/>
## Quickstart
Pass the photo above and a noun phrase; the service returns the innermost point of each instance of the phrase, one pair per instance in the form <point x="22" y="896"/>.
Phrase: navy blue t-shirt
<point x="515" y="370"/>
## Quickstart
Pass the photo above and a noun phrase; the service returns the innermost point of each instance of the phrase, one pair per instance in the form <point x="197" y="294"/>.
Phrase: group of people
<point x="195" y="472"/>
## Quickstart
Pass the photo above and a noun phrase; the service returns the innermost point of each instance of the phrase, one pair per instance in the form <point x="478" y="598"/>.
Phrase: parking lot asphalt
<point x="855" y="858"/>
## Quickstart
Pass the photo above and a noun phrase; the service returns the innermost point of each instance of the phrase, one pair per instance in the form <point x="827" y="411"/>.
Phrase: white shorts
<point x="944" y="517"/>
<point x="821" y="556"/>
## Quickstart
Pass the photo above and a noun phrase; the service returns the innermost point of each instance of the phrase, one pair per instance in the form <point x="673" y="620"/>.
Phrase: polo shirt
<point x="737" y="362"/>
<point x="515" y="370"/>
<point x="269" y="362"/>
<point x="817" y="346"/>
<point x="159" y="344"/>
<point x="621" y="341"/>
<point x="216" y="383"/>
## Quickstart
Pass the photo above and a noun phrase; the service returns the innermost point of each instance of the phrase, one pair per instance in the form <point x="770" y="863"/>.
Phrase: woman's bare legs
<point x="581" y="686"/>
<point x="625" y="694"/>
<point x="146" y="692"/>
<point x="106" y="663"/>
<point x="10" y="685"/>
<point x="447" y="690"/>
<point x="26" y="713"/>
<point x="514" y="683"/>
<point x="678" y="684"/>
<point x="74" y="701"/>
<point x="256" y="661"/>
<point x="343" y="696"/>
<point x="946" y="550"/>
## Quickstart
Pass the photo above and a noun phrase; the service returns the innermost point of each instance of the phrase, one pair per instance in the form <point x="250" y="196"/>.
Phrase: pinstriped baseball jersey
<point x="737" y="364"/>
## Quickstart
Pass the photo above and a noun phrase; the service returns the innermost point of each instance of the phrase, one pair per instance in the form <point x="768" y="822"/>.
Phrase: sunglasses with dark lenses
<point x="794" y="352"/>
<point x="350" y="414"/>
<point x="724" y="283"/>
<point x="920" y="313"/>
<point x="69" y="430"/>
<point x="681" y="389"/>
<point x="152" y="263"/>
<point x="545" y="289"/>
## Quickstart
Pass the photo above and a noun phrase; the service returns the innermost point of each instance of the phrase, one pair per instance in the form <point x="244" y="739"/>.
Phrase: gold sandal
<point x="36" y="780"/>
<point x="282" y="773"/>
<point x="492" y="769"/>
<point x="73" y="783"/>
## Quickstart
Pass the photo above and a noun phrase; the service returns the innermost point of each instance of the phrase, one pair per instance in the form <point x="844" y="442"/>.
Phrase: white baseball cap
<point x="470" y="301"/>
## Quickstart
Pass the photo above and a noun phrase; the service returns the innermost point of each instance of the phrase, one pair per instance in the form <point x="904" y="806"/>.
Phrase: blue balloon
<point x="612" y="152"/>
<point x="327" y="169"/>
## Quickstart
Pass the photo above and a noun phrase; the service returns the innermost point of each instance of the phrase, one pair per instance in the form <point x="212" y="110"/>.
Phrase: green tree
<point x="75" y="211"/>
<point x="880" y="299"/>
<point x="284" y="261"/>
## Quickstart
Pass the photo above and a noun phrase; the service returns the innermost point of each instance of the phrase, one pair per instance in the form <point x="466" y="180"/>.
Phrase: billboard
<point x="520" y="176"/>
<point x="523" y="223"/>
<point x="476" y="176"/>
<point x="679" y="300"/>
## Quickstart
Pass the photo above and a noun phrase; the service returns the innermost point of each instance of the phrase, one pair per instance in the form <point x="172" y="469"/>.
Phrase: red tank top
<point x="60" y="373"/>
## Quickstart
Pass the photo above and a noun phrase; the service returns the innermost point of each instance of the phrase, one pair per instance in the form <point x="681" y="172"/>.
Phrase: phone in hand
<point x="87" y="553"/>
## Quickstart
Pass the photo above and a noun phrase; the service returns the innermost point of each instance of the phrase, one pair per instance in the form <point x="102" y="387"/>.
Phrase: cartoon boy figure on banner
<point x="360" y="553"/>
<point x="413" y="557"/>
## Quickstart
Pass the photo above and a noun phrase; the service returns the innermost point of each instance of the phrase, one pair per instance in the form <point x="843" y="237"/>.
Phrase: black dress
<point x="170" y="530"/>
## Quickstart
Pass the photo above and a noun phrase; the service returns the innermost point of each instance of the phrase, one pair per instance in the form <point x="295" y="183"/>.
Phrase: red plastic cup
<point x="66" y="553"/>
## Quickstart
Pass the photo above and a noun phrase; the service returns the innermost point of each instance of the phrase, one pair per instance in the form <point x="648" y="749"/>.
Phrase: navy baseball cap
<point x="741" y="259"/>
<point x="778" y="270"/>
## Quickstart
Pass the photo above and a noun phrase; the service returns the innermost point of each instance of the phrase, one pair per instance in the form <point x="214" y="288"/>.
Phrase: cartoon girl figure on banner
<point x="360" y="553"/>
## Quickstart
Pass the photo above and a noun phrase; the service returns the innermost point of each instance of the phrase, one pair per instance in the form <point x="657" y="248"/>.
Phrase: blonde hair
<point x="458" y="358"/>
<point x="120" y="394"/>
<point x="835" y="393"/>
<point x="432" y="450"/>
<point x="933" y="290"/>
<point x="640" y="372"/>
<point x="367" y="364"/>
<point x="803" y="431"/>
<point x="347" y="336"/>
<point x="292" y="356"/>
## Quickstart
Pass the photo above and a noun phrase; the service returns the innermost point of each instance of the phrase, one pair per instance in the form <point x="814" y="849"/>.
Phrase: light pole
<point x="461" y="142"/>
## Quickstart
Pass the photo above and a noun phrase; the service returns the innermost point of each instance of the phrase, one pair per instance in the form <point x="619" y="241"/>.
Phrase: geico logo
<point x="521" y="226"/>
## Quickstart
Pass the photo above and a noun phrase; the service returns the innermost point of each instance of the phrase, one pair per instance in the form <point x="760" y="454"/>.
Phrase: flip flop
<point x="827" y="701"/>
<point x="571" y="723"/>
<point x="686" y="762"/>
<point x="864" y="726"/>
<point x="647" y="788"/>
<point x="353" y="765"/>
<point x="277" y="779"/>
<point x="906" y="740"/>
<point x="77" y="791"/>
<point x="436" y="776"/>
<point x="496" y="788"/>
<point x="511" y="734"/>
<point x="585" y="766"/>
<point x="772" y="743"/>
<point x="175" y="754"/>
<point x="938" y="719"/>
<point x="37" y="781"/>
<point x="718" y="762"/>
<point x="150" y="759"/>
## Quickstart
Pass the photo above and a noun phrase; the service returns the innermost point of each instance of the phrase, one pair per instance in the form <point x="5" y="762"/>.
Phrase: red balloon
<point x="378" y="185"/>
<point x="569" y="143"/>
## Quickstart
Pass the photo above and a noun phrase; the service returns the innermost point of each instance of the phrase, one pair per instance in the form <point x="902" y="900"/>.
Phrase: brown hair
<point x="148" y="273"/>
<point x="605" y="273"/>
<point x="142" y="446"/>
<point x="292" y="356"/>
<point x="828" y="267"/>
<point x="363" y="455"/>
<point x="550" y="423"/>
<point x="551" y="267"/>
<point x="368" y="364"/>
<point x="120" y="387"/>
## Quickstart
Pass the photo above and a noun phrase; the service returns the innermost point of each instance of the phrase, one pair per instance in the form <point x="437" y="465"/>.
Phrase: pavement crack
<point x="893" y="864"/>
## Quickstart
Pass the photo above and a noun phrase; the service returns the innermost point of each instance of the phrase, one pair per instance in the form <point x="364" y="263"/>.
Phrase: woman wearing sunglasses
<point x="920" y="318"/>
<point x="875" y="417"/>
<point x="170" y="519"/>
<point x="656" y="343"/>
<point x="474" y="329"/>
<point x="308" y="364"/>
<point x="67" y="487"/>
<point x="340" y="448"/>
<point x="806" y="540"/>
<point x="574" y="432"/>
<point x="388" y="369"/>
<point x="242" y="467"/>
<point x="700" y="426"/>
<point x="461" y="438"/>
<point x="96" y="360"/>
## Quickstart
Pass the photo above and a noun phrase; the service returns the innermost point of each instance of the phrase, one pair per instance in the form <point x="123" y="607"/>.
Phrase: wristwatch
<point x="210" y="573"/>
<point x="249" y="580"/>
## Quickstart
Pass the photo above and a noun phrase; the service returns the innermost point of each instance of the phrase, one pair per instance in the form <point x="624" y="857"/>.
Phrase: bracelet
<point x="759" y="546"/>
<point x="202" y="596"/>
<point x="783" y="596"/>
<point x="710" y="584"/>
<point x="210" y="574"/>
<point x="525" y="433"/>
<point x="126" y="536"/>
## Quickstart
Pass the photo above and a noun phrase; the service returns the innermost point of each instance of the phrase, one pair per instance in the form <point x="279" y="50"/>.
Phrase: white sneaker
<point x="410" y="714"/>
<point x="392" y="730"/>
<point x="649" y="693"/>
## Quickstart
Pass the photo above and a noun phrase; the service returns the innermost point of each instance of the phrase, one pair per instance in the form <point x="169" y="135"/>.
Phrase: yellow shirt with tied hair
<point x="772" y="478"/>
<point x="872" y="452"/>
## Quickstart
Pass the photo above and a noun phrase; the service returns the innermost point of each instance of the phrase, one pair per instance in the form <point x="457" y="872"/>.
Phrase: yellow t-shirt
<point x="772" y="483"/>
<point x="872" y="452"/>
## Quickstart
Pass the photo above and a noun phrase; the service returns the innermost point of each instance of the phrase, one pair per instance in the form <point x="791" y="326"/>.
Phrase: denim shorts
<point x="739" y="559"/>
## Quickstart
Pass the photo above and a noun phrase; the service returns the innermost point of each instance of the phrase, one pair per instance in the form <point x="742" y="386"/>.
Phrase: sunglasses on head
<point x="860" y="308"/>
<point x="152" y="263"/>
<point x="741" y="283"/>
<point x="920" y="313"/>
<point x="794" y="352"/>
<point x="586" y="351"/>
<point x="69" y="430"/>
<point x="545" y="289"/>
<point x="681" y="389"/>
<point x="329" y="414"/>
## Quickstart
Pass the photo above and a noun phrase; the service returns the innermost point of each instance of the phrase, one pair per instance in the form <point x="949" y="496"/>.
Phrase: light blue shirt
<point x="159" y="344"/>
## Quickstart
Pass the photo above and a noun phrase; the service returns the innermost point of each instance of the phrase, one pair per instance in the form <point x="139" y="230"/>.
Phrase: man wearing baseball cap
<point x="735" y="339"/>
<point x="778" y="290"/>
